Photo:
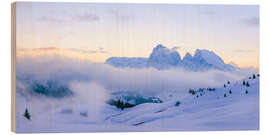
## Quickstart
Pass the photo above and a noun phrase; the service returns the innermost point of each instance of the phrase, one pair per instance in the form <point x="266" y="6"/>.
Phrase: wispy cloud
<point x="253" y="21"/>
<point x="86" y="17"/>
<point x="208" y="11"/>
<point x="76" y="17"/>
<point x="244" y="51"/>
<point x="99" y="50"/>
<point x="87" y="51"/>
<point x="38" y="49"/>
<point x="50" y="19"/>
<point x="120" y="15"/>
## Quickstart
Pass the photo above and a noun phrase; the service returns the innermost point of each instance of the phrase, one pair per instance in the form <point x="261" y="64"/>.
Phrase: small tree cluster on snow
<point x="247" y="84"/>
<point x="27" y="114"/>
<point x="191" y="91"/>
<point x="211" y="89"/>
<point x="120" y="104"/>
<point x="177" y="103"/>
<point x="254" y="76"/>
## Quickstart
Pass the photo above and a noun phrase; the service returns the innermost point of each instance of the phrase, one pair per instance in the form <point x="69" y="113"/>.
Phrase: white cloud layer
<point x="146" y="81"/>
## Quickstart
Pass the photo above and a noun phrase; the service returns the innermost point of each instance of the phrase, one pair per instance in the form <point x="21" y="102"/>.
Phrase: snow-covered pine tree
<point x="27" y="114"/>
<point x="247" y="84"/>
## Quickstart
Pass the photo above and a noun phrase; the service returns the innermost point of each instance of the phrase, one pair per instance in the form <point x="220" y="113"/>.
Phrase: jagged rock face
<point x="188" y="63"/>
<point x="162" y="57"/>
<point x="187" y="57"/>
<point x="165" y="58"/>
<point x="198" y="62"/>
<point x="207" y="57"/>
<point x="205" y="60"/>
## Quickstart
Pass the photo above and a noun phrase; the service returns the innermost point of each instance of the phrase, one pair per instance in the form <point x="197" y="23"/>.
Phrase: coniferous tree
<point x="244" y="83"/>
<point x="225" y="95"/>
<point x="246" y="91"/>
<point x="177" y="103"/>
<point x="224" y="85"/>
<point x="27" y="114"/>
<point x="228" y="82"/>
<point x="247" y="84"/>
<point x="254" y="76"/>
<point x="258" y="75"/>
<point x="230" y="91"/>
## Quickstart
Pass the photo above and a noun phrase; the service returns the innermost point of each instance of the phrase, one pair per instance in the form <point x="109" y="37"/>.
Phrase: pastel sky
<point x="98" y="31"/>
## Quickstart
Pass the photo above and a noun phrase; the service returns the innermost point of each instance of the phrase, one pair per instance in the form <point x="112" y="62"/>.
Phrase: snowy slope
<point x="211" y="110"/>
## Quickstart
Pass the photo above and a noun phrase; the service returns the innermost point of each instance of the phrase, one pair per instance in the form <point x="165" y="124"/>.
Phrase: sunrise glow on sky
<point x="99" y="31"/>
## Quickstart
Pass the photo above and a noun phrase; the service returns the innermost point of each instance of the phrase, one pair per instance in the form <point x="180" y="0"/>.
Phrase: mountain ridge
<point x="162" y="58"/>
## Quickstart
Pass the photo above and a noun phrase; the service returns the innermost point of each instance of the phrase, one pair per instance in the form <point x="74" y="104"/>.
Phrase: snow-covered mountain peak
<point x="163" y="57"/>
<point x="209" y="57"/>
<point x="188" y="56"/>
<point x="161" y="49"/>
<point x="159" y="46"/>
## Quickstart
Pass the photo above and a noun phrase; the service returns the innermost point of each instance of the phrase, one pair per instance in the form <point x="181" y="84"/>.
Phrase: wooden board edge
<point x="13" y="67"/>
